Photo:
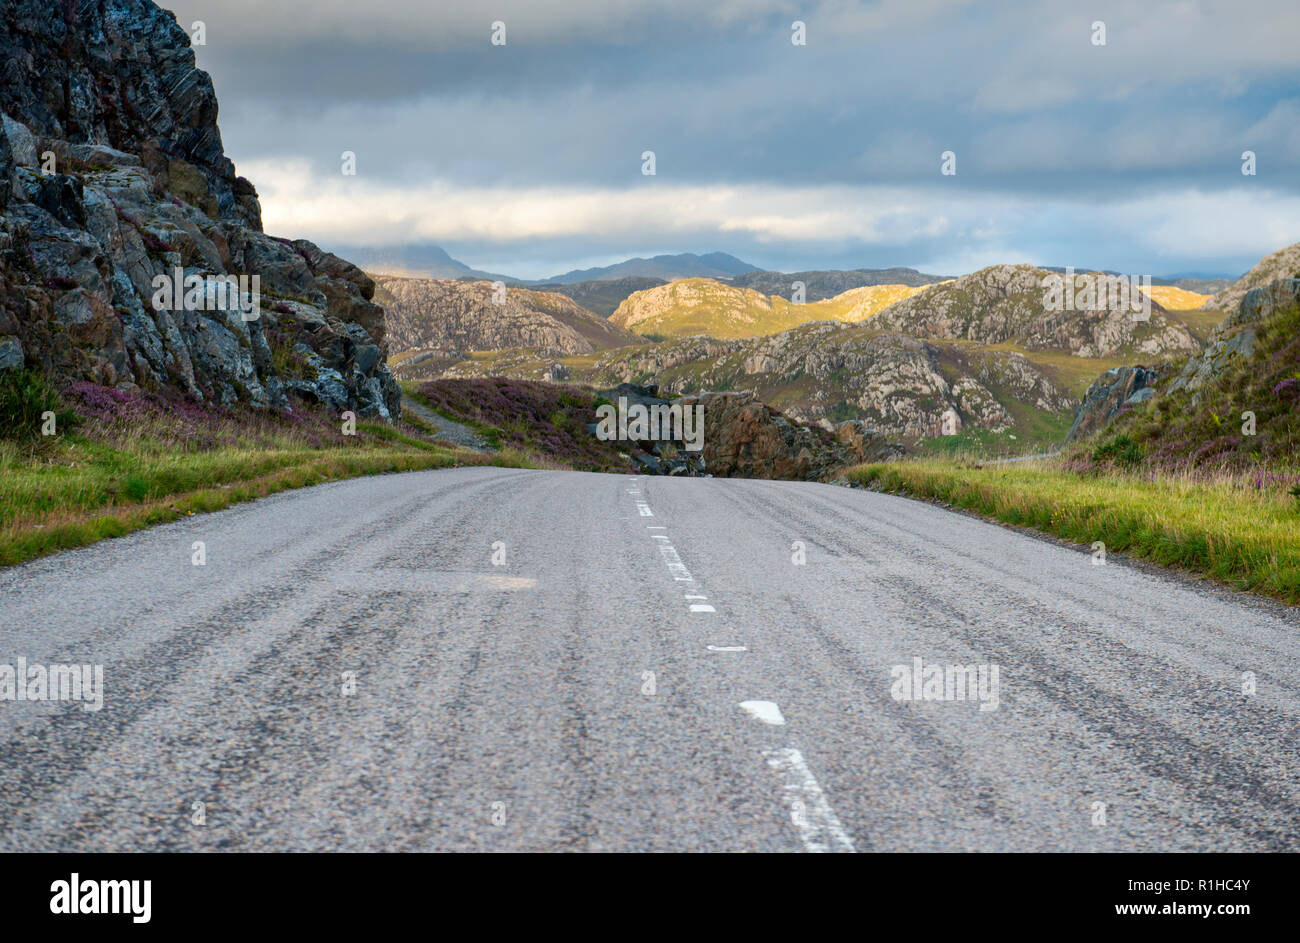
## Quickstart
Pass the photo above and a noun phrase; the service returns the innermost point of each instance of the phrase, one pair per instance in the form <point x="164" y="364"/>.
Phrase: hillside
<point x="1005" y="304"/>
<point x="602" y="297"/>
<point x="705" y="306"/>
<point x="453" y="315"/>
<point x="1173" y="298"/>
<point x="829" y="372"/>
<point x="1193" y="417"/>
<point x="1284" y="263"/>
<point x="819" y="285"/>
<point x="664" y="267"/>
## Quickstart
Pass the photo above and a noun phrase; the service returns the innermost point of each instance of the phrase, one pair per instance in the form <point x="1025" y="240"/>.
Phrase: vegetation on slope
<point x="704" y="306"/>
<point x="545" y="421"/>
<point x="130" y="460"/>
<point x="1223" y="527"/>
<point x="1205" y="478"/>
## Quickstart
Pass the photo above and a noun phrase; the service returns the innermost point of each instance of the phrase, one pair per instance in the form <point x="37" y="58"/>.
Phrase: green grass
<point x="150" y="464"/>
<point x="1223" y="528"/>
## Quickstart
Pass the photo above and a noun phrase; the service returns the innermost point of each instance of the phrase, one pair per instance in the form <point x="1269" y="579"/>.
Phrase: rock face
<point x="1234" y="341"/>
<point x="1282" y="264"/>
<point x="1236" y="336"/>
<point x="1004" y="303"/>
<point x="897" y="384"/>
<point x="743" y="438"/>
<point x="447" y="314"/>
<point x="1115" y="388"/>
<point x="141" y="188"/>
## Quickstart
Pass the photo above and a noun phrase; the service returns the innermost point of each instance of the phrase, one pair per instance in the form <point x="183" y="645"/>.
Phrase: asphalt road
<point x="586" y="693"/>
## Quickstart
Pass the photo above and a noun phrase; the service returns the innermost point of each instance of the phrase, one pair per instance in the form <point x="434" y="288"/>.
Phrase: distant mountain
<point x="665" y="267"/>
<point x="692" y="306"/>
<point x="819" y="285"/>
<point x="603" y="297"/>
<point x="418" y="261"/>
<point x="462" y="316"/>
<point x="1197" y="283"/>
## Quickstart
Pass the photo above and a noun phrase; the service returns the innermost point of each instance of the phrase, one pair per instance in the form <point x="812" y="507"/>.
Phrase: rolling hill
<point x="705" y="306"/>
<point x="819" y="285"/>
<point x="602" y="297"/>
<point x="1005" y="304"/>
<point x="458" y="316"/>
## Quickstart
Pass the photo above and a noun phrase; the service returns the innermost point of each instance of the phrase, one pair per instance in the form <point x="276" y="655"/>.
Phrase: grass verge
<point x="1227" y="528"/>
<point x="138" y="459"/>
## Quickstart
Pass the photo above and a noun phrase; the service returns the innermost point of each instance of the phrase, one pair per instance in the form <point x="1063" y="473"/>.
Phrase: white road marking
<point x="660" y="536"/>
<point x="674" y="563"/>
<point x="819" y="829"/>
<point x="655" y="527"/>
<point x="688" y="596"/>
<point x="701" y="607"/>
<point x="766" y="711"/>
<point x="728" y="648"/>
<point x="645" y="511"/>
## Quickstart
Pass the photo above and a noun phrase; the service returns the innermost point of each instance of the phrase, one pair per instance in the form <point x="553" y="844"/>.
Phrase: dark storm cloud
<point x="1019" y="92"/>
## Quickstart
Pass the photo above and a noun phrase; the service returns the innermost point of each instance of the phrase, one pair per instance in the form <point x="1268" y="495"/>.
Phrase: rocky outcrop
<point x="895" y="383"/>
<point x="1111" y="392"/>
<point x="1005" y="303"/>
<point x="121" y="73"/>
<point x="116" y="177"/>
<point x="743" y="438"/>
<point x="828" y="371"/>
<point x="1237" y="335"/>
<point x="1282" y="264"/>
<point x="442" y="314"/>
<point x="1232" y="342"/>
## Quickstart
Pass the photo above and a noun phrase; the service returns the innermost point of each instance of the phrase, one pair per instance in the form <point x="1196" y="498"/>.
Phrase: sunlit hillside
<point x="1176" y="299"/>
<point x="704" y="306"/>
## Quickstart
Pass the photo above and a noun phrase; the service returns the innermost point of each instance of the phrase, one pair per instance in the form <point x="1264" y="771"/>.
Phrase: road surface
<point x="351" y="669"/>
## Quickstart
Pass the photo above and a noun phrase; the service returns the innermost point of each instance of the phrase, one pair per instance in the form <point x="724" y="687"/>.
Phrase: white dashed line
<point x="819" y="829"/>
<point x="766" y="711"/>
<point x="689" y="596"/>
<point x="702" y="607"/>
<point x="728" y="648"/>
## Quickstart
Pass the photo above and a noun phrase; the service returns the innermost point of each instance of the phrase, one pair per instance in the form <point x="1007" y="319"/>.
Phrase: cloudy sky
<point x="526" y="158"/>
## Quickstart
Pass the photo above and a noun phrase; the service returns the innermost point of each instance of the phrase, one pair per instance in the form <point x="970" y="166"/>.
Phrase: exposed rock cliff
<point x="1284" y="263"/>
<point x="114" y="174"/>
<point x="1005" y="303"/>
<point x="1111" y="392"/>
<point x="446" y="314"/>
